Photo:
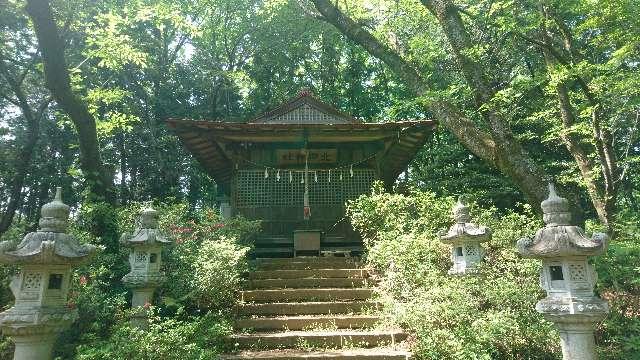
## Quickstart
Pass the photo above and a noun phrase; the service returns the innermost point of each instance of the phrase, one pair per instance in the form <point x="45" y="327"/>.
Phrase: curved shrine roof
<point x="303" y="118"/>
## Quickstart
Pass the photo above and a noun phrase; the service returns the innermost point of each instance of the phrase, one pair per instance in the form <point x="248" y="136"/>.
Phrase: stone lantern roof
<point x="464" y="229"/>
<point x="50" y="244"/>
<point x="558" y="238"/>
<point x="147" y="233"/>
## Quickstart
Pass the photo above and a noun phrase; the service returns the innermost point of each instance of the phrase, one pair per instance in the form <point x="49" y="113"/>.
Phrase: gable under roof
<point x="304" y="109"/>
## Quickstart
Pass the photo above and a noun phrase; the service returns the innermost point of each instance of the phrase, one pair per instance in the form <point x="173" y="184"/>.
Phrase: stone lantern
<point x="465" y="238"/>
<point x="45" y="258"/>
<point x="567" y="277"/>
<point x="146" y="243"/>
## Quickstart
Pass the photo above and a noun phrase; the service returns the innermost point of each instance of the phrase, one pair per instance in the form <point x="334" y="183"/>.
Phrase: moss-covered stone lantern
<point x="145" y="258"/>
<point x="465" y="238"/>
<point x="567" y="277"/>
<point x="46" y="259"/>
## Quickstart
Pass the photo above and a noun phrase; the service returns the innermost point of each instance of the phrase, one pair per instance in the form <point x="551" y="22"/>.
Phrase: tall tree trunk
<point x="603" y="195"/>
<point x="23" y="161"/>
<point x="57" y="80"/>
<point x="499" y="148"/>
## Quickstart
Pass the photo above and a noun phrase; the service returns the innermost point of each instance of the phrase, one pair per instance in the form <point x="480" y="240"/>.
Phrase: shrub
<point x="206" y="264"/>
<point x="191" y="338"/>
<point x="203" y="268"/>
<point x="488" y="316"/>
<point x="218" y="271"/>
<point x="619" y="283"/>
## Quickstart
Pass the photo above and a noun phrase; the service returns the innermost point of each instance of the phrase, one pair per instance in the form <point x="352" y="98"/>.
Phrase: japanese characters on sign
<point x="316" y="156"/>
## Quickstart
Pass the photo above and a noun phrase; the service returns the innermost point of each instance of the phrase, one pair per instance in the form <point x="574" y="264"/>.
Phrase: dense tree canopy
<point x="525" y="92"/>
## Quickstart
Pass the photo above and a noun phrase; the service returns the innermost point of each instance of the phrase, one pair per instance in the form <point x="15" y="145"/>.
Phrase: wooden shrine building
<point x="266" y="166"/>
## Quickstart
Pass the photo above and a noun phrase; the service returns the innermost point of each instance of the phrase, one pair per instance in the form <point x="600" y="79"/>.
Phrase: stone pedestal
<point x="34" y="346"/>
<point x="568" y="278"/>
<point x="142" y="296"/>
<point x="576" y="336"/>
<point x="46" y="257"/>
<point x="146" y="243"/>
<point x="465" y="238"/>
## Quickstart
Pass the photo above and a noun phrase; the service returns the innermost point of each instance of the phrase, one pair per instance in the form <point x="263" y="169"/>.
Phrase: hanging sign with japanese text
<point x="316" y="156"/>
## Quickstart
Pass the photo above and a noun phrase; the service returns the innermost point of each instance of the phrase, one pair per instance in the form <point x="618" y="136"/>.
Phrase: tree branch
<point x="58" y="81"/>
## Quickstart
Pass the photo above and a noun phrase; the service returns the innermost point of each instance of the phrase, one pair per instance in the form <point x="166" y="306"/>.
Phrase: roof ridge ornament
<point x="54" y="215"/>
<point x="461" y="211"/>
<point x="555" y="209"/>
<point x="305" y="91"/>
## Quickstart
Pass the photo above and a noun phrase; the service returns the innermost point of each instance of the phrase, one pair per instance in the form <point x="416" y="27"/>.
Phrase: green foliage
<point x="218" y="272"/>
<point x="204" y="269"/>
<point x="205" y="266"/>
<point x="191" y="338"/>
<point x="619" y="283"/>
<point x="488" y="316"/>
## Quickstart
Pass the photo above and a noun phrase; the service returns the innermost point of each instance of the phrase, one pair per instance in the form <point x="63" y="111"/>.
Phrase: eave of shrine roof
<point x="203" y="139"/>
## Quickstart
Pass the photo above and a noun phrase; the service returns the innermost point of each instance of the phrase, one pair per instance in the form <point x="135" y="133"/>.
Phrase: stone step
<point x="274" y="240"/>
<point x="306" y="263"/>
<point x="308" y="322"/>
<point x="338" y="354"/>
<point x="307" y="283"/>
<point x="324" y="339"/>
<point x="354" y="249"/>
<point x="272" y="252"/>
<point x="305" y="294"/>
<point x="306" y="308"/>
<point x="302" y="274"/>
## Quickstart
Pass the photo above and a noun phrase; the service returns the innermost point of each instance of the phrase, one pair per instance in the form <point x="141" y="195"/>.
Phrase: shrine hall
<point x="295" y="167"/>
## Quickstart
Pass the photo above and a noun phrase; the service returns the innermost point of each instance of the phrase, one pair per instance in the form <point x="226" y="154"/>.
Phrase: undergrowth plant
<point x="490" y="315"/>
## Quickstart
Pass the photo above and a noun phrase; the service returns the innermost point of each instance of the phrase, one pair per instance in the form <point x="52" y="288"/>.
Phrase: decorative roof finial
<point x="461" y="211"/>
<point x="555" y="209"/>
<point x="148" y="218"/>
<point x="54" y="216"/>
<point x="305" y="91"/>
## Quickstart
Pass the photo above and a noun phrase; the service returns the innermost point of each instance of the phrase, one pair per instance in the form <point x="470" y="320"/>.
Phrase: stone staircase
<point x="311" y="308"/>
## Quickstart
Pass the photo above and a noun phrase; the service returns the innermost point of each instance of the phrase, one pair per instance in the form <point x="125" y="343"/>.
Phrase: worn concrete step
<point x="306" y="263"/>
<point x="306" y="308"/>
<point x="307" y="283"/>
<point x="302" y="274"/>
<point x="265" y="295"/>
<point x="337" y="354"/>
<point x="308" y="322"/>
<point x="325" y="339"/>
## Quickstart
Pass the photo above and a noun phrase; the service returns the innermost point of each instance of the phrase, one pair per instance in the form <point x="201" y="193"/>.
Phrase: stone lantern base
<point x="577" y="334"/>
<point x="140" y="302"/>
<point x="35" y="330"/>
<point x="34" y="346"/>
<point x="33" y="342"/>
<point x="575" y="319"/>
